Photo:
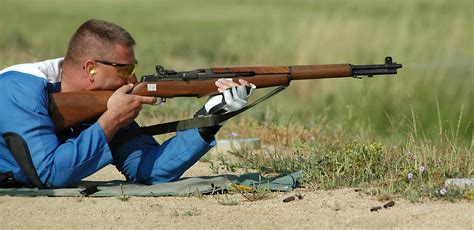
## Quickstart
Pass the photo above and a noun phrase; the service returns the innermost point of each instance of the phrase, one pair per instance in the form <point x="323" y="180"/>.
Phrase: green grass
<point x="330" y="158"/>
<point x="427" y="109"/>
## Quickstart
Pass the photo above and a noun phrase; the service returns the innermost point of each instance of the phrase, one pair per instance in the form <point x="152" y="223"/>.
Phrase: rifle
<point x="72" y="108"/>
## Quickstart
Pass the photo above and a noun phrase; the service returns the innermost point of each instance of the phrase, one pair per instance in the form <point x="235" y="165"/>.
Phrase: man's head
<point x="103" y="53"/>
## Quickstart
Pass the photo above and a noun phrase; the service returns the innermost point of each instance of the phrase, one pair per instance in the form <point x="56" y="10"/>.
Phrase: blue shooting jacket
<point x="24" y="104"/>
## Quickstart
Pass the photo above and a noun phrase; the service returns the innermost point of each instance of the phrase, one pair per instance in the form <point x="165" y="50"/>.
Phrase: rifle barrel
<point x="382" y="69"/>
<point x="375" y="71"/>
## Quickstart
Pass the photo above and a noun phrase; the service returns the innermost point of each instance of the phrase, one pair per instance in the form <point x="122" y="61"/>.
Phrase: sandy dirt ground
<point x="343" y="208"/>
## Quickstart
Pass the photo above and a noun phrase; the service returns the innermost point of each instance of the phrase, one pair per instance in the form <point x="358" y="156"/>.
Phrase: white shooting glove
<point x="232" y="99"/>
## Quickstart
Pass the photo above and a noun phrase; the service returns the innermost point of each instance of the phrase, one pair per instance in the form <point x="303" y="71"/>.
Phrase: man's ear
<point x="90" y="69"/>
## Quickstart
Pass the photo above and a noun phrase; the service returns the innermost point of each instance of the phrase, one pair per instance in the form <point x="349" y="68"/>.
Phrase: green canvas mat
<point x="182" y="187"/>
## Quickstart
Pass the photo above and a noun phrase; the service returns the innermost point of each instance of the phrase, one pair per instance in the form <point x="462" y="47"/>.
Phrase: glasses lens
<point x="126" y="71"/>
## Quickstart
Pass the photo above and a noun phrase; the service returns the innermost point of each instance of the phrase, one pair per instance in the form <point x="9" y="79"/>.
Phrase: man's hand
<point x="223" y="84"/>
<point x="232" y="97"/>
<point x="122" y="109"/>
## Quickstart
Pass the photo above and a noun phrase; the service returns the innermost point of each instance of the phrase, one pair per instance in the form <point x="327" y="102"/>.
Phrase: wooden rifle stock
<point x="72" y="108"/>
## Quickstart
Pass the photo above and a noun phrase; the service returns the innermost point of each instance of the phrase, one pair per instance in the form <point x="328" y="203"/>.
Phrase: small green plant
<point x="206" y="158"/>
<point x="122" y="197"/>
<point x="226" y="200"/>
<point x="80" y="199"/>
<point x="261" y="193"/>
<point x="191" y="212"/>
<point x="213" y="167"/>
<point x="197" y="194"/>
<point x="470" y="194"/>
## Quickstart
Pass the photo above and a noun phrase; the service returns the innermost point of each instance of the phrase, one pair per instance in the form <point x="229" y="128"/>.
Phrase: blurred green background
<point x="431" y="96"/>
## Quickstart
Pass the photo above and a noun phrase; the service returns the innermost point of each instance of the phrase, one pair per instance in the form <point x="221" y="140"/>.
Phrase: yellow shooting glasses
<point x="123" y="70"/>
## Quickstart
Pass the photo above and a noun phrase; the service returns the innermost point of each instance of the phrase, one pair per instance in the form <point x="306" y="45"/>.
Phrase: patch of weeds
<point x="226" y="200"/>
<point x="413" y="195"/>
<point x="470" y="195"/>
<point x="450" y="193"/>
<point x="332" y="204"/>
<point x="197" y="194"/>
<point x="226" y="164"/>
<point x="221" y="163"/>
<point x="412" y="167"/>
<point x="213" y="167"/>
<point x="155" y="205"/>
<point x="206" y="158"/>
<point x="190" y="212"/>
<point x="349" y="165"/>
<point x="122" y="197"/>
<point x="261" y="193"/>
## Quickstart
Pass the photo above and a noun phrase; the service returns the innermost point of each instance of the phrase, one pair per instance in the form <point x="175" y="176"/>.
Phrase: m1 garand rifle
<point x="72" y="108"/>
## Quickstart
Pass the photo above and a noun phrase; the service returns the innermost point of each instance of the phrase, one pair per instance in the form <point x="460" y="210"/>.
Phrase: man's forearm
<point x="109" y="124"/>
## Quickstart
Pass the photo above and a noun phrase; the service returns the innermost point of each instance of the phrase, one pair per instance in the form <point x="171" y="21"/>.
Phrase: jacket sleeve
<point x="24" y="100"/>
